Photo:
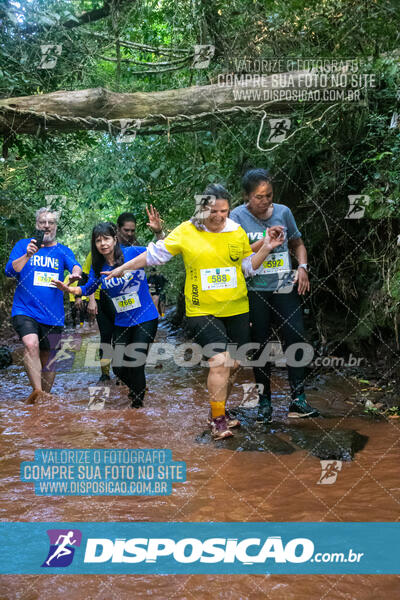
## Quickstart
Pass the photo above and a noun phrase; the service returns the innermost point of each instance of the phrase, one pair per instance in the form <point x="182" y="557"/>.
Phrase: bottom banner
<point x="173" y="548"/>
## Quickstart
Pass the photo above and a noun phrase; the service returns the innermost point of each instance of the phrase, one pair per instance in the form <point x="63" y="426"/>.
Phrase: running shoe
<point x="219" y="428"/>
<point x="264" y="414"/>
<point x="231" y="421"/>
<point x="136" y="401"/>
<point x="104" y="378"/>
<point x="300" y="408"/>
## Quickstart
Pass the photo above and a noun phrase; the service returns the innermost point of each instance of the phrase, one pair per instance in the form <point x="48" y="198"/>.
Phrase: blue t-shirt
<point x="34" y="296"/>
<point x="278" y="263"/>
<point x="129" y="294"/>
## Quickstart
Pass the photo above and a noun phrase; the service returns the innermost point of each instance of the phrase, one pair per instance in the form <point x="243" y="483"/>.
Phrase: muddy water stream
<point x="223" y="483"/>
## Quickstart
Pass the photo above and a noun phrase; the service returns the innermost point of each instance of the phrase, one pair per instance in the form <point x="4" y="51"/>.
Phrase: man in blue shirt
<point x="38" y="308"/>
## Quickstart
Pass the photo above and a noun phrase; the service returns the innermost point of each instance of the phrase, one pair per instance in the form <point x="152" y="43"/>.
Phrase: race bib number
<point x="274" y="263"/>
<point x="44" y="279"/>
<point x="218" y="279"/>
<point x="126" y="302"/>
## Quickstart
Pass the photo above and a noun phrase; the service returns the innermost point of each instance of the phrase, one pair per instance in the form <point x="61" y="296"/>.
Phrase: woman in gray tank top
<point x="274" y="292"/>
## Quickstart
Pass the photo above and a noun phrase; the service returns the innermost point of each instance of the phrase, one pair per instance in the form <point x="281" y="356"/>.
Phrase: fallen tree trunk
<point x="101" y="109"/>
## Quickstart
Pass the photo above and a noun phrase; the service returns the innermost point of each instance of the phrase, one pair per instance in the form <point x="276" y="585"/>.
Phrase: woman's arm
<point x="255" y="246"/>
<point x="75" y="290"/>
<point x="92" y="305"/>
<point x="298" y="247"/>
<point x="89" y="287"/>
<point x="132" y="265"/>
<point x="274" y="237"/>
<point x="156" y="254"/>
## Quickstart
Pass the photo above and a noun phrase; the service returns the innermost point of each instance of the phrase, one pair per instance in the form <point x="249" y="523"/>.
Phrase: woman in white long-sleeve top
<point x="216" y="254"/>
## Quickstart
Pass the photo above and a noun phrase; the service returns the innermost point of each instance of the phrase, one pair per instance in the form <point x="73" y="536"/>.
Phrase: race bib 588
<point x="218" y="278"/>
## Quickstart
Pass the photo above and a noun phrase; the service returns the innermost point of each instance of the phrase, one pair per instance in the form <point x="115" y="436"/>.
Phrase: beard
<point x="49" y="237"/>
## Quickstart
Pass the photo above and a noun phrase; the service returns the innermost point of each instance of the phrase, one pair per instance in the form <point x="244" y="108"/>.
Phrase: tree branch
<point x="95" y="108"/>
<point x="87" y="17"/>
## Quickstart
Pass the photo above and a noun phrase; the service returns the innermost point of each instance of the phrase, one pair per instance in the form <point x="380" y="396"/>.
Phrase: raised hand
<point x="274" y="236"/>
<point x="155" y="221"/>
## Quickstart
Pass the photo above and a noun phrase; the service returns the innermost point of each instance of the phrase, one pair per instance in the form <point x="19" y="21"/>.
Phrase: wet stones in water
<point x="334" y="444"/>
<point x="250" y="437"/>
<point x="250" y="441"/>
<point x="337" y="444"/>
<point x="5" y="357"/>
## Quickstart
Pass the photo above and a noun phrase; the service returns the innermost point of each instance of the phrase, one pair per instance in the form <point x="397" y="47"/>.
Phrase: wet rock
<point x="257" y="440"/>
<point x="314" y="381"/>
<point x="250" y="437"/>
<point x="337" y="444"/>
<point x="325" y="443"/>
<point x="5" y="357"/>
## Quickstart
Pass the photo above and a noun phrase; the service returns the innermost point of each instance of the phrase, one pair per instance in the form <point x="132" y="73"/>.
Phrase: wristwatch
<point x="304" y="266"/>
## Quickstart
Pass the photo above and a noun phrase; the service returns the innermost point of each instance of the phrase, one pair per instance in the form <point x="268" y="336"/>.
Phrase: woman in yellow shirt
<point x="216" y="253"/>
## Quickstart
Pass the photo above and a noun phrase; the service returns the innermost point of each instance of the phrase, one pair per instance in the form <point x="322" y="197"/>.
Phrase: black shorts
<point x="218" y="334"/>
<point x="49" y="335"/>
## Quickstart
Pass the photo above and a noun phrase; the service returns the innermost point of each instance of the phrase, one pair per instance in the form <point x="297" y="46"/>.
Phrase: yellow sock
<point x="105" y="366"/>
<point x="217" y="409"/>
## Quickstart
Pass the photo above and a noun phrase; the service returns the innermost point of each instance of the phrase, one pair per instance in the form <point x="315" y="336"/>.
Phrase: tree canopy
<point x="146" y="53"/>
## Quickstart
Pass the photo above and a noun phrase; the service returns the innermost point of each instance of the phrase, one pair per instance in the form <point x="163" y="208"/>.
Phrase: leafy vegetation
<point x="335" y="150"/>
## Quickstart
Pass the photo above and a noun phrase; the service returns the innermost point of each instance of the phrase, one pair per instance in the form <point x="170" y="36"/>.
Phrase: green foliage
<point x="373" y="412"/>
<point x="346" y="150"/>
<point x="393" y="411"/>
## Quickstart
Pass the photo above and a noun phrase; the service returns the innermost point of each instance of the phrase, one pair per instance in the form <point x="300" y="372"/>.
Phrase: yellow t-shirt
<point x="215" y="283"/>
<point x="86" y="268"/>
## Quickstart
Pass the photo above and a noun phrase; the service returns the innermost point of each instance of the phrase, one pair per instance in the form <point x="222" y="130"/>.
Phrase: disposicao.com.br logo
<point x="186" y="547"/>
<point x="247" y="551"/>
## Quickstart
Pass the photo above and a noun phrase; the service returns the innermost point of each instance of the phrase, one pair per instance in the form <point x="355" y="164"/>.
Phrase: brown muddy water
<point x="223" y="483"/>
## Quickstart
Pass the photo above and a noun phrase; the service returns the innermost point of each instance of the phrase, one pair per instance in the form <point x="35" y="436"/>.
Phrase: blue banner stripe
<point x="173" y="548"/>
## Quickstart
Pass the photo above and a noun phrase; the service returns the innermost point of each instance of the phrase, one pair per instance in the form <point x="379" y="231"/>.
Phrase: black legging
<point x="285" y="310"/>
<point x="105" y="320"/>
<point x="133" y="376"/>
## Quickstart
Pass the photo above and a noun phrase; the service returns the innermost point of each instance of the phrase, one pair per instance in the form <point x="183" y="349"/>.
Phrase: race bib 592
<point x="274" y="263"/>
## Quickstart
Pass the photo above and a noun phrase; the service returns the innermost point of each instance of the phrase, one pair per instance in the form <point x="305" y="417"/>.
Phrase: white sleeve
<point x="157" y="254"/>
<point x="247" y="267"/>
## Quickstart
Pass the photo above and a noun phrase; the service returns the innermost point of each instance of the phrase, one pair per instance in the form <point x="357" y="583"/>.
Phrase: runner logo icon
<point x="61" y="551"/>
<point x="329" y="471"/>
